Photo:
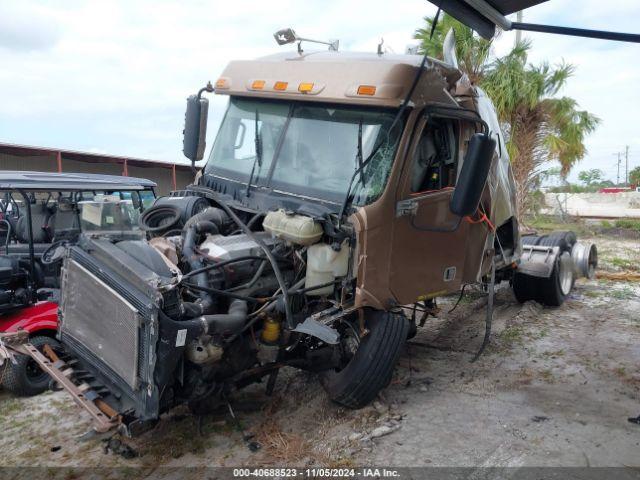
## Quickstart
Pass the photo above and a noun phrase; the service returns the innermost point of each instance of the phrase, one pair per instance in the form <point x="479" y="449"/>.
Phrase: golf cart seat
<point x="40" y="215"/>
<point x="64" y="223"/>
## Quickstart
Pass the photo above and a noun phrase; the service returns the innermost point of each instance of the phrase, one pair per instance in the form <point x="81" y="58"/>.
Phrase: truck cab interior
<point x="435" y="164"/>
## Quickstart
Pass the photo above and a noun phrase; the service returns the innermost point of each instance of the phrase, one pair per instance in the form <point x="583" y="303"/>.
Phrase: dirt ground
<point x="556" y="387"/>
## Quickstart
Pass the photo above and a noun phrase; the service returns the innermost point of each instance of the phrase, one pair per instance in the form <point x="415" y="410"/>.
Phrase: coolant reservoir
<point x="297" y="229"/>
<point x="324" y="265"/>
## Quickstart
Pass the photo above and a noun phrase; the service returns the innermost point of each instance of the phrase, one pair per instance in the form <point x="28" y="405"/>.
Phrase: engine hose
<point x="159" y="219"/>
<point x="224" y="293"/>
<point x="207" y="301"/>
<point x="221" y="264"/>
<point x="231" y="322"/>
<point x="211" y="214"/>
<point x="274" y="263"/>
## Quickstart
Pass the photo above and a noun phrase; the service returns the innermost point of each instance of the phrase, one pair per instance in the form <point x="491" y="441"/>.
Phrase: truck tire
<point x="370" y="368"/>
<point x="525" y="287"/>
<point x="25" y="378"/>
<point x="555" y="289"/>
<point x="564" y="240"/>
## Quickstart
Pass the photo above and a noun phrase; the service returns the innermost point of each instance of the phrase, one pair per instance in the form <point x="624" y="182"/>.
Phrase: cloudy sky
<point x="113" y="76"/>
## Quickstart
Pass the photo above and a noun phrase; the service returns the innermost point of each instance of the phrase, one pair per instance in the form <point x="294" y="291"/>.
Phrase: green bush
<point x="628" y="223"/>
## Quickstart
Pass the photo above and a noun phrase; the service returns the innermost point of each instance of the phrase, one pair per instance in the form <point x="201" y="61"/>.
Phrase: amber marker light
<point x="366" y="90"/>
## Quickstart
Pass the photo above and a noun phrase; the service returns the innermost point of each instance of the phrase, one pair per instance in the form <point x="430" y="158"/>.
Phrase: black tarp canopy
<point x="484" y="15"/>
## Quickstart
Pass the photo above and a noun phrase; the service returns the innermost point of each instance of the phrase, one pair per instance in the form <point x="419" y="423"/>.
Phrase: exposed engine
<point x="195" y="312"/>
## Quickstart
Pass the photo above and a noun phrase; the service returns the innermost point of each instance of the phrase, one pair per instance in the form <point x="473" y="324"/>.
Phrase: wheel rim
<point x="349" y="344"/>
<point x="566" y="273"/>
<point x="34" y="372"/>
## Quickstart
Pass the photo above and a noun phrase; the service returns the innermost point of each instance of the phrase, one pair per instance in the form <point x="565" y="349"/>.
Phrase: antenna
<point x="288" y="35"/>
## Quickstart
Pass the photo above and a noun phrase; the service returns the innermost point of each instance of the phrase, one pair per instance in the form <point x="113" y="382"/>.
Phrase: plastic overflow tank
<point x="325" y="265"/>
<point x="293" y="228"/>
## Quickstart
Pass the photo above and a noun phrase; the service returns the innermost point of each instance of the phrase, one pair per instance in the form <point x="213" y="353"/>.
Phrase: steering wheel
<point x="54" y="252"/>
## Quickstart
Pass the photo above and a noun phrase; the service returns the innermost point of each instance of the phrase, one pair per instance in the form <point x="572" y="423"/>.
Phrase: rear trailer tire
<point x="525" y="287"/>
<point x="25" y="378"/>
<point x="555" y="289"/>
<point x="371" y="367"/>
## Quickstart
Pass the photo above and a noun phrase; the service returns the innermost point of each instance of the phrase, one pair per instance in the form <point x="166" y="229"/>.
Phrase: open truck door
<point x="431" y="241"/>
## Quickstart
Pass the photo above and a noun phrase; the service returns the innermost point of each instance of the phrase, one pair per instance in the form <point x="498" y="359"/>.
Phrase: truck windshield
<point x="307" y="149"/>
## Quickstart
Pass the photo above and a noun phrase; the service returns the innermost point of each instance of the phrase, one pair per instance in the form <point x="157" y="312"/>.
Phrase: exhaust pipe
<point x="585" y="259"/>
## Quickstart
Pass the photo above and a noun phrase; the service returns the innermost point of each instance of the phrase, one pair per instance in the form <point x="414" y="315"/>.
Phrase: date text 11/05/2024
<point x="315" y="472"/>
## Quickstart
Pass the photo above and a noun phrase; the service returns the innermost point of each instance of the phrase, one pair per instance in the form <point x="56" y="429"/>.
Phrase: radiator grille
<point x="102" y="321"/>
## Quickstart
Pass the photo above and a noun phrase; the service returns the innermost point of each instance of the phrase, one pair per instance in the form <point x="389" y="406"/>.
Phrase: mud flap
<point x="538" y="261"/>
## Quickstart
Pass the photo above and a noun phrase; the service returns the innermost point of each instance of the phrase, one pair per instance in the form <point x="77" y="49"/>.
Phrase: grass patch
<point x="547" y="375"/>
<point x="624" y="293"/>
<point x="624" y="263"/>
<point x="512" y="336"/>
<point x="593" y="293"/>
<point x="548" y="223"/>
<point x="10" y="407"/>
<point x="552" y="353"/>
<point x="628" y="223"/>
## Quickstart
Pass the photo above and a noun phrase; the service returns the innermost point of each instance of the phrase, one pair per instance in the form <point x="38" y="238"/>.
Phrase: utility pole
<point x="618" y="177"/>
<point x="626" y="166"/>
<point x="519" y="32"/>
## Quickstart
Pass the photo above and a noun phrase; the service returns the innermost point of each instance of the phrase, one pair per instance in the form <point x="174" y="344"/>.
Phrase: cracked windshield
<point x="305" y="149"/>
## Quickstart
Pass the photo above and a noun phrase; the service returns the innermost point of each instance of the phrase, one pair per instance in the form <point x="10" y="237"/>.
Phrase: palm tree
<point x="472" y="51"/>
<point x="539" y="126"/>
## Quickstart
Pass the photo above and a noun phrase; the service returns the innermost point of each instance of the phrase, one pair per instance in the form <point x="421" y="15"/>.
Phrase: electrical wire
<point x="222" y="264"/>
<point x="224" y="293"/>
<point x="272" y="260"/>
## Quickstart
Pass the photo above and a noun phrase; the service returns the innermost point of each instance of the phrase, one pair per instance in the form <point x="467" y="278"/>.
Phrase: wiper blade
<point x="258" y="158"/>
<point x="258" y="142"/>
<point x="359" y="158"/>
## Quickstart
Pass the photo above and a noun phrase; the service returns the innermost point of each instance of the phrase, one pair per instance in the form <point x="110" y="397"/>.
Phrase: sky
<point x="113" y="76"/>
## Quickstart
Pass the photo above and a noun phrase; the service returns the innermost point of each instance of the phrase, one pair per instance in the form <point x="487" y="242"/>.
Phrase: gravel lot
<point x="556" y="388"/>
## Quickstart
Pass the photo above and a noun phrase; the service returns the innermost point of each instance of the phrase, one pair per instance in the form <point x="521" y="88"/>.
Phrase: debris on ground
<point x="620" y="276"/>
<point x="118" y="447"/>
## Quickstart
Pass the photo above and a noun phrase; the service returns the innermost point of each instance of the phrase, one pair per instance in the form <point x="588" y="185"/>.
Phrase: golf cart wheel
<point x="369" y="361"/>
<point x="555" y="289"/>
<point x="25" y="378"/>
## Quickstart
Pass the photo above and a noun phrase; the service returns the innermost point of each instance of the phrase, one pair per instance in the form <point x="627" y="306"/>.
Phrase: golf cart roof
<point x="39" y="181"/>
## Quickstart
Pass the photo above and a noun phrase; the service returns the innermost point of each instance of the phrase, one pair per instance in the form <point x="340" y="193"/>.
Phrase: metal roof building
<point x="168" y="176"/>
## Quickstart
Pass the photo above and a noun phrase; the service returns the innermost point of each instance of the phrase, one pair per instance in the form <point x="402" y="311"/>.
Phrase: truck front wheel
<point x="25" y="378"/>
<point x="368" y="361"/>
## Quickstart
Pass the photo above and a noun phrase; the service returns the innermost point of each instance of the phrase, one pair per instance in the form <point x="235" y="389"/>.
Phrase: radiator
<point x="101" y="320"/>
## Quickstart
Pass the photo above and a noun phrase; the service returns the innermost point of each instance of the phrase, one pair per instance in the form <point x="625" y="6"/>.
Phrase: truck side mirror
<point x="195" y="128"/>
<point x="473" y="176"/>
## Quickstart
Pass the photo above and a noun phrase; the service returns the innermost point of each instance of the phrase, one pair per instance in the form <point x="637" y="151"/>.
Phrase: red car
<point x="41" y="321"/>
<point x="40" y="214"/>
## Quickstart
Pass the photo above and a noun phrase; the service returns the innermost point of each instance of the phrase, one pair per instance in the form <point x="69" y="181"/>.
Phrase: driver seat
<point x="40" y="215"/>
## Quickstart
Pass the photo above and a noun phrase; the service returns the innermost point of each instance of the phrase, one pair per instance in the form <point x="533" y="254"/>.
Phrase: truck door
<point x="428" y="241"/>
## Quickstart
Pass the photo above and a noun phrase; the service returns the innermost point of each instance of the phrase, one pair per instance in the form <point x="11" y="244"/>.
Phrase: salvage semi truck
<point x="340" y="189"/>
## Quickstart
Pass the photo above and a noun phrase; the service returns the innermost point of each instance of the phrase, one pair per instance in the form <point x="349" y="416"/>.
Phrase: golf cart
<point x="40" y="214"/>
